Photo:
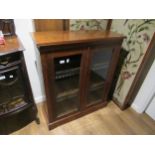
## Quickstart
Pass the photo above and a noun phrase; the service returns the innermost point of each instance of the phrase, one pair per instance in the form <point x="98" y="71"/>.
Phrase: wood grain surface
<point x="68" y="37"/>
<point x="12" y="44"/>
<point x="106" y="121"/>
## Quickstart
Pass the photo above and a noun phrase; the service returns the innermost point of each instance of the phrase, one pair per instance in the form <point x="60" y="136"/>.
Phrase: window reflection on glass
<point x="98" y="72"/>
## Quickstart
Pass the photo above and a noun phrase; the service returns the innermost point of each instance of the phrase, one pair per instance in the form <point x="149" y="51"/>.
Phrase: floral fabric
<point x="87" y="24"/>
<point x="138" y="35"/>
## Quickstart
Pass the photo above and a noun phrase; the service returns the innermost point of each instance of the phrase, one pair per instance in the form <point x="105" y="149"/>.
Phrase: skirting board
<point x="137" y="108"/>
<point x="39" y="99"/>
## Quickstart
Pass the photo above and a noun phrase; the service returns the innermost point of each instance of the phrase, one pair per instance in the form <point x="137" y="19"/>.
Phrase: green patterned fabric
<point x="87" y="24"/>
<point x="139" y="33"/>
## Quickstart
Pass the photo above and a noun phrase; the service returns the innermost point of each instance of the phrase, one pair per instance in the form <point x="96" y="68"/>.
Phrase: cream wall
<point x="151" y="108"/>
<point x="23" y="29"/>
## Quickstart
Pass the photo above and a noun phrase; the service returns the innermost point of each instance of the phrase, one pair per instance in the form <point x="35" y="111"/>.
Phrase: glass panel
<point x="98" y="72"/>
<point x="11" y="91"/>
<point x="67" y="75"/>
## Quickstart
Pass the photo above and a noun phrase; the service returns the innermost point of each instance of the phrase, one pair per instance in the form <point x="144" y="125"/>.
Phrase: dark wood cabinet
<point x="17" y="106"/>
<point x="78" y="69"/>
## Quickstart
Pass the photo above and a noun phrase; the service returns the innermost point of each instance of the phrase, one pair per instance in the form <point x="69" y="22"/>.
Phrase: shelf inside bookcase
<point x="95" y="96"/>
<point x="100" y="65"/>
<point x="67" y="93"/>
<point x="66" y="86"/>
<point x="70" y="86"/>
<point x="11" y="106"/>
<point x="67" y="106"/>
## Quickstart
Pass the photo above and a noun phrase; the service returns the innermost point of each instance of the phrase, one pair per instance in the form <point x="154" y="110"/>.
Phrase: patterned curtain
<point x="138" y="34"/>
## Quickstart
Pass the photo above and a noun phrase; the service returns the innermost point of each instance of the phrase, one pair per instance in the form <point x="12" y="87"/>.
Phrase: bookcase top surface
<point x="12" y="44"/>
<point x="67" y="37"/>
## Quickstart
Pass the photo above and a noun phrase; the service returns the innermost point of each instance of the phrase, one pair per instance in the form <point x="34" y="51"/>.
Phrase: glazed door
<point x="12" y="93"/>
<point x="100" y="60"/>
<point x="65" y="80"/>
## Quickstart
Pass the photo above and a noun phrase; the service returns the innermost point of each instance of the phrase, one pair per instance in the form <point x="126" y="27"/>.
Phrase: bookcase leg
<point x="37" y="120"/>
